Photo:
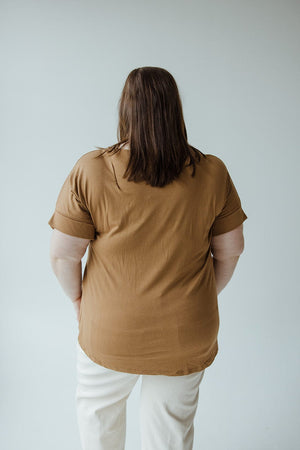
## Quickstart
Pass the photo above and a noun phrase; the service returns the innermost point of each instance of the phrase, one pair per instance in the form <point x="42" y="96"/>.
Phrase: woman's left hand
<point x="77" y="304"/>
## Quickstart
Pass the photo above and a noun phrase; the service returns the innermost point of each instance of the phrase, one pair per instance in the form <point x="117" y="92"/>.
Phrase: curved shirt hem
<point x="187" y="367"/>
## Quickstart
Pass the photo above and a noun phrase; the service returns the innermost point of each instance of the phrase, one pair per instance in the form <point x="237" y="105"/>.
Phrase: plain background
<point x="236" y="64"/>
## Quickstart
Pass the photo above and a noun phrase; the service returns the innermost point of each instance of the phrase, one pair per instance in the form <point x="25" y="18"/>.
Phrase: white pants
<point x="168" y="406"/>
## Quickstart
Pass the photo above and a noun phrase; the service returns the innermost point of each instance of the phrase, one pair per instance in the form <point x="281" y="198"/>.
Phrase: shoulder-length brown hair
<point x="151" y="122"/>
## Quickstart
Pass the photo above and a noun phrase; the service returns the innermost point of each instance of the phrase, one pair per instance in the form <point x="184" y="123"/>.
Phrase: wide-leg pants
<point x="168" y="406"/>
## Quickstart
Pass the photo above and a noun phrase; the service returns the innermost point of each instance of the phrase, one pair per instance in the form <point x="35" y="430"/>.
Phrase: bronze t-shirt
<point x="149" y="301"/>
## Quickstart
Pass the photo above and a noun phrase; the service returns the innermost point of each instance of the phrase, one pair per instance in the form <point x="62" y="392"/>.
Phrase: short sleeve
<point x="71" y="214"/>
<point x="232" y="215"/>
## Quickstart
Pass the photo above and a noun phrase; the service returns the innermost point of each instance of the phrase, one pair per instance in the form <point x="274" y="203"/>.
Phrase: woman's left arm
<point x="66" y="252"/>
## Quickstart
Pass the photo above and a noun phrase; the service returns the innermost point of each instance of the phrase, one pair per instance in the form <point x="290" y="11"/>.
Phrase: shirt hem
<point x="186" y="368"/>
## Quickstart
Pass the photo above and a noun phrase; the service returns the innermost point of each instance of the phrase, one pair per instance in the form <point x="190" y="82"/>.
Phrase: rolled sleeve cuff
<point x="71" y="226"/>
<point x="229" y="223"/>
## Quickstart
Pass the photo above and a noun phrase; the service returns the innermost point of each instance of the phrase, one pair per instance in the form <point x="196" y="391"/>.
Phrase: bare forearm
<point x="224" y="269"/>
<point x="68" y="272"/>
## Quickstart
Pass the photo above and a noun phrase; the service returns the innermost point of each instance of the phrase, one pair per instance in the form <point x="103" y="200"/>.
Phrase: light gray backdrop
<point x="236" y="63"/>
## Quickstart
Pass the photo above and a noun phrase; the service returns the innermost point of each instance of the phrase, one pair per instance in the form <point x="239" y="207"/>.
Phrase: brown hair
<point x="151" y="122"/>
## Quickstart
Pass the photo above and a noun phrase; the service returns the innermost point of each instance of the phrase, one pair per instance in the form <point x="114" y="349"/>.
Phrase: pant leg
<point x="101" y="396"/>
<point x="168" y="406"/>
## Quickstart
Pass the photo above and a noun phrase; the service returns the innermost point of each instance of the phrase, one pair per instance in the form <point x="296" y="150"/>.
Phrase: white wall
<point x="236" y="63"/>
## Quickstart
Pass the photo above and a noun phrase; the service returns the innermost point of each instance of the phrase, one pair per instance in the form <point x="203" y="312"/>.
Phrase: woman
<point x="164" y="226"/>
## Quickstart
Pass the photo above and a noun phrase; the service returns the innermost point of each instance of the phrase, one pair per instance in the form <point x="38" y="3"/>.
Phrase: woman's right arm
<point x="226" y="249"/>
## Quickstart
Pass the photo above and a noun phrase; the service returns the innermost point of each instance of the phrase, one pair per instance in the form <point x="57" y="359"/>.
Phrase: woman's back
<point x="149" y="299"/>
